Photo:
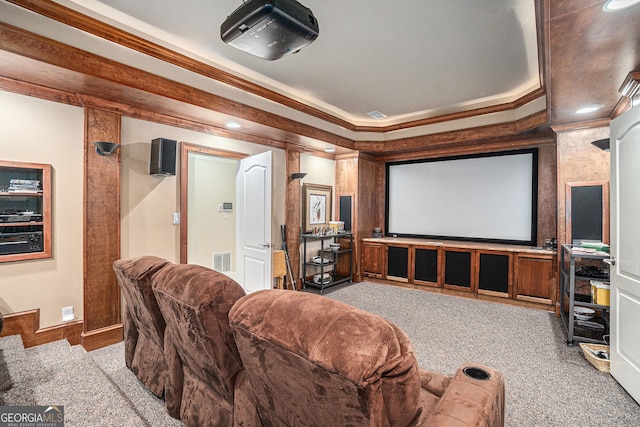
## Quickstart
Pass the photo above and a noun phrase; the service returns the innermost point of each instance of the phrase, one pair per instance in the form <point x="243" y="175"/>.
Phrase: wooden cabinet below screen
<point x="372" y="256"/>
<point x="535" y="279"/>
<point x="504" y="271"/>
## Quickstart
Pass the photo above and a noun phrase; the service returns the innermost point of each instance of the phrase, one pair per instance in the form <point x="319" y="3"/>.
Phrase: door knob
<point x="610" y="261"/>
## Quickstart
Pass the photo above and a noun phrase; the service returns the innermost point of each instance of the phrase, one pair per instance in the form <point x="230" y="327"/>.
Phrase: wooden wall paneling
<point x="293" y="213"/>
<point x="101" y="221"/>
<point x="347" y="178"/>
<point x="380" y="185"/>
<point x="368" y="201"/>
<point x="573" y="80"/>
<point x="577" y="160"/>
<point x="547" y="193"/>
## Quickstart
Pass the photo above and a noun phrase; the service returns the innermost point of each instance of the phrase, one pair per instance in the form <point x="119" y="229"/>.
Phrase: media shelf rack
<point x="569" y="296"/>
<point x="330" y="260"/>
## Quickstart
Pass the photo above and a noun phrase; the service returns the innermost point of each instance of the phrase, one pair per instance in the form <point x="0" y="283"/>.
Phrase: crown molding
<point x="631" y="85"/>
<point x="80" y="21"/>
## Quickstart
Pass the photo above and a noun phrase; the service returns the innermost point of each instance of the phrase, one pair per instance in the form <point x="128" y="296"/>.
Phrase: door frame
<point x="185" y="149"/>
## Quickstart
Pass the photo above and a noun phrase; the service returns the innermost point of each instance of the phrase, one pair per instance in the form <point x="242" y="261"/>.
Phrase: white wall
<point x="39" y="131"/>
<point x="148" y="202"/>
<point x="212" y="181"/>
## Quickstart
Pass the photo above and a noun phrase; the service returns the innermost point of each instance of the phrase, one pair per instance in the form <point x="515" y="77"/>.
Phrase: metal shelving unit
<point x="332" y="258"/>
<point x="568" y="277"/>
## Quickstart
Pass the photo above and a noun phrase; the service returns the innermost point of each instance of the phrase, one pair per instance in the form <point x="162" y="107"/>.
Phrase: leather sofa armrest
<point x="470" y="399"/>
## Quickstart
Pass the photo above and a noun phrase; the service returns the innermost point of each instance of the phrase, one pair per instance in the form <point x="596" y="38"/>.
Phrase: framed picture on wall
<point x="316" y="206"/>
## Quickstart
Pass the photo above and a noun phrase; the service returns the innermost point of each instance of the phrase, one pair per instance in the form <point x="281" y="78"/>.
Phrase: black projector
<point x="270" y="29"/>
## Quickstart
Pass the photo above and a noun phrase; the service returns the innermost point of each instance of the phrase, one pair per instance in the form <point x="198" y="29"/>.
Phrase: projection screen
<point x="488" y="197"/>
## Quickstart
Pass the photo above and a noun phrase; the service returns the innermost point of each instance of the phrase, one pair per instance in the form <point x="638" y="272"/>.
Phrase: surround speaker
<point x="163" y="157"/>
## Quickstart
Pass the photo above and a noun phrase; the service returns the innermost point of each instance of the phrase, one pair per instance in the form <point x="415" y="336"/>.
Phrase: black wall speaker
<point x="163" y="157"/>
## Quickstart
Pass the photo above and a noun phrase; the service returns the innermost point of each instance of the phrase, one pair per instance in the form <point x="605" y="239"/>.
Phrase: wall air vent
<point x="222" y="262"/>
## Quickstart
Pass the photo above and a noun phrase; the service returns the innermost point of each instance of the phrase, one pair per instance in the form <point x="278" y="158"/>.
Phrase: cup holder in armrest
<point x="476" y="373"/>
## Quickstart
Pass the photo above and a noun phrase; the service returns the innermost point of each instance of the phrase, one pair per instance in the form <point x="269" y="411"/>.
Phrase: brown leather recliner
<point x="143" y="323"/>
<point x="314" y="361"/>
<point x="206" y="384"/>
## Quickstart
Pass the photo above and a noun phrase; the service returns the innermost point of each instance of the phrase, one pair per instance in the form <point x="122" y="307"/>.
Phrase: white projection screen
<point x="489" y="197"/>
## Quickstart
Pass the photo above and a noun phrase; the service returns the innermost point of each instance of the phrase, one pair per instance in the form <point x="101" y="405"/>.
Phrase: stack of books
<point x="591" y="248"/>
<point x="24" y="186"/>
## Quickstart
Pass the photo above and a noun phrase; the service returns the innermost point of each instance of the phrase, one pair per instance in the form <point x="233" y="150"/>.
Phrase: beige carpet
<point x="547" y="383"/>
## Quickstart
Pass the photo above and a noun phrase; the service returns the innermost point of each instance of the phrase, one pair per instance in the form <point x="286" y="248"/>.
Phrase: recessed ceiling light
<point x="616" y="5"/>
<point x="376" y="115"/>
<point x="233" y="125"/>
<point x="588" y="109"/>
<point x="330" y="150"/>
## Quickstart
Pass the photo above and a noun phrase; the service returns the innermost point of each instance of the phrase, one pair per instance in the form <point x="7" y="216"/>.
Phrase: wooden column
<point x="101" y="231"/>
<point x="362" y="177"/>
<point x="293" y="213"/>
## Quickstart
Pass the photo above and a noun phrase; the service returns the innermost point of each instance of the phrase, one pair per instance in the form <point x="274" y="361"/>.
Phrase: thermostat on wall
<point x="225" y="207"/>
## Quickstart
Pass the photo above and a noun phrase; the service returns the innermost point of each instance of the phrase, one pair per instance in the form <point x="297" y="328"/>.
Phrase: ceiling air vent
<point x="376" y="115"/>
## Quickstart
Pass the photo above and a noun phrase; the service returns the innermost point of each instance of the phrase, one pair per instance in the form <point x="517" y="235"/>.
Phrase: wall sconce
<point x="105" y="148"/>
<point x="602" y="144"/>
<point x="298" y="175"/>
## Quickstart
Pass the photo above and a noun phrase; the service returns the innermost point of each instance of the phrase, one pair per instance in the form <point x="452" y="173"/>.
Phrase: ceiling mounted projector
<point x="270" y="29"/>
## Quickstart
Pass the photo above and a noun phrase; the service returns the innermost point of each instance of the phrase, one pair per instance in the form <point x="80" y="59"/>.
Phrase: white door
<point x="625" y="251"/>
<point x="253" y="222"/>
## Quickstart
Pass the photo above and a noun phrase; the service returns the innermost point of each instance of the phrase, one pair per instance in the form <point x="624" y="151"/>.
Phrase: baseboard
<point x="102" y="337"/>
<point x="27" y="324"/>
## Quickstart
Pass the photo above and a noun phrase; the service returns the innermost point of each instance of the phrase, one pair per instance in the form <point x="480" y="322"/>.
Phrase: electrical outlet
<point x="67" y="314"/>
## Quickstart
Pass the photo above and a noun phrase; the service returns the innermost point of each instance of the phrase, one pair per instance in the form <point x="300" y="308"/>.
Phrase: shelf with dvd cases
<point x="330" y="266"/>
<point x="25" y="211"/>
<point x="582" y="269"/>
